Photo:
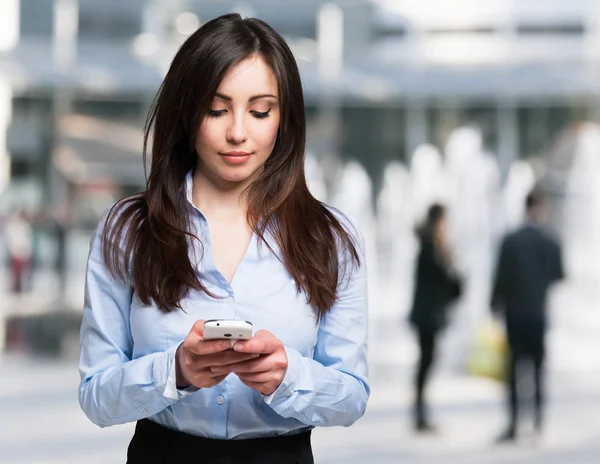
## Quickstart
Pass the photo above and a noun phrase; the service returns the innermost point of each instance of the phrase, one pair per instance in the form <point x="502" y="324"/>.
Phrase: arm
<point x="499" y="286"/>
<point x="442" y="273"/>
<point x="559" y="267"/>
<point x="115" y="389"/>
<point x="331" y="388"/>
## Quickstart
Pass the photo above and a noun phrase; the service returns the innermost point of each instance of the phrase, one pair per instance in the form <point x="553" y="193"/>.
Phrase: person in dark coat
<point x="436" y="286"/>
<point x="528" y="264"/>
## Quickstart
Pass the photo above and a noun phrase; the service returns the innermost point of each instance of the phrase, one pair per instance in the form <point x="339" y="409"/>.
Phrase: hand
<point x="264" y="374"/>
<point x="196" y="356"/>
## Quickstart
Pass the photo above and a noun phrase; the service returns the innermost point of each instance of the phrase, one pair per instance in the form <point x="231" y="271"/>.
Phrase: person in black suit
<point x="528" y="264"/>
<point x="436" y="286"/>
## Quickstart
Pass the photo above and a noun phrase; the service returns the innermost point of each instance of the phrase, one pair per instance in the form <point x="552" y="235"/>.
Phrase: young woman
<point x="226" y="229"/>
<point x="436" y="286"/>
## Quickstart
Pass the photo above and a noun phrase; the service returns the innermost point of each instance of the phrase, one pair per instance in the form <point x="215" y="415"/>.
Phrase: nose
<point x="237" y="133"/>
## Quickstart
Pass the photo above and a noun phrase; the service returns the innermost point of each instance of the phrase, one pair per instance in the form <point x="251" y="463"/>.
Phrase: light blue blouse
<point x="127" y="349"/>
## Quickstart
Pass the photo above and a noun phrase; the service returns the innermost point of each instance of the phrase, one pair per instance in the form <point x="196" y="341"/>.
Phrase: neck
<point x="533" y="220"/>
<point x="222" y="199"/>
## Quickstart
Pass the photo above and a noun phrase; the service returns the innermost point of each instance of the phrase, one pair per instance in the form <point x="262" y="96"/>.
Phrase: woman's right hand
<point x="196" y="356"/>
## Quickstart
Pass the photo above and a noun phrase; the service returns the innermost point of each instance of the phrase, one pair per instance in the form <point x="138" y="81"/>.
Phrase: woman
<point x="435" y="288"/>
<point x="226" y="229"/>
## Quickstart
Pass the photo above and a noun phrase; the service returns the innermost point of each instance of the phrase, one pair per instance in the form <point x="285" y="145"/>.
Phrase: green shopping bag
<point x="489" y="353"/>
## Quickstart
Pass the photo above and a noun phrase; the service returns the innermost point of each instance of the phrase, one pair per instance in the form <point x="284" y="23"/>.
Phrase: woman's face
<point x="238" y="135"/>
<point x="440" y="227"/>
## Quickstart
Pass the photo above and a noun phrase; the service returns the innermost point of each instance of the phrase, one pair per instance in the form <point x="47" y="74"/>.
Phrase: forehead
<point x="251" y="76"/>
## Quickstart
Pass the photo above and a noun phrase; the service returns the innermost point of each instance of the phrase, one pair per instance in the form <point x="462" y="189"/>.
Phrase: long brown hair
<point x="147" y="236"/>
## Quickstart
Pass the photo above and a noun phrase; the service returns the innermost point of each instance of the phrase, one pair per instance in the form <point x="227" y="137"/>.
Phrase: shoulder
<point x="426" y="245"/>
<point x="120" y="216"/>
<point x="128" y="207"/>
<point x="553" y="240"/>
<point x="349" y="224"/>
<point x="516" y="235"/>
<point x="509" y="241"/>
<point x="352" y="246"/>
<point x="545" y="235"/>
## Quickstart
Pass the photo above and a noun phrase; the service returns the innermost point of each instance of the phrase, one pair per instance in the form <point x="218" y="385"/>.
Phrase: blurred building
<point x="77" y="78"/>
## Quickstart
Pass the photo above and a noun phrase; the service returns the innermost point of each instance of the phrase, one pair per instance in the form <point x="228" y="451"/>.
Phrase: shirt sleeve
<point x="331" y="388"/>
<point x="500" y="279"/>
<point x="115" y="388"/>
<point x="559" y="270"/>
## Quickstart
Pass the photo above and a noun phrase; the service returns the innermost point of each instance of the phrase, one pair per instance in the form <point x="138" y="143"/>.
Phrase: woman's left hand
<point x="265" y="373"/>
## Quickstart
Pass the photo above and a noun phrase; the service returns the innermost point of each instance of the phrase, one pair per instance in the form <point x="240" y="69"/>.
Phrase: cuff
<point x="171" y="391"/>
<point x="290" y="381"/>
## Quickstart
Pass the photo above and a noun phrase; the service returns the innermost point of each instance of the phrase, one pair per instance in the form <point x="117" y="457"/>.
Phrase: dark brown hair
<point x="147" y="236"/>
<point x="435" y="214"/>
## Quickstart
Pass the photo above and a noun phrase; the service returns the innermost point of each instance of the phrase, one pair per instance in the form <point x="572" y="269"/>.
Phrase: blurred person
<point x="18" y="235"/>
<point x="60" y="261"/>
<point x="529" y="262"/>
<point x="226" y="228"/>
<point x="436" y="286"/>
<point x="60" y="223"/>
<point x="35" y="222"/>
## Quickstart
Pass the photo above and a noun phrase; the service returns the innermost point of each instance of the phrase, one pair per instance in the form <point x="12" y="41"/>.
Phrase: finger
<point x="254" y="385"/>
<point x="197" y="371"/>
<point x="222" y="359"/>
<point x="251" y="365"/>
<point x="263" y="342"/>
<point x="198" y="328"/>
<point x="212" y="375"/>
<point x="196" y="341"/>
<point x="255" y="377"/>
<point x="212" y="381"/>
<point x="261" y="387"/>
<point x="207" y="347"/>
<point x="231" y="359"/>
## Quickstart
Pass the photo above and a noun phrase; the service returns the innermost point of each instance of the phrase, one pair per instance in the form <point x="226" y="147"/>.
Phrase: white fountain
<point x="521" y="179"/>
<point x="353" y="195"/>
<point x="581" y="229"/>
<point x="473" y="180"/>
<point x="395" y="229"/>
<point x="428" y="180"/>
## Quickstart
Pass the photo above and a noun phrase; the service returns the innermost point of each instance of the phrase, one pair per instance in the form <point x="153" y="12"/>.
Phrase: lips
<point x="236" y="153"/>
<point x="236" y="157"/>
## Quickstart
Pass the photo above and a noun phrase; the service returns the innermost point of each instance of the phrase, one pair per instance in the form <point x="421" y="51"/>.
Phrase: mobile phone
<point x="232" y="329"/>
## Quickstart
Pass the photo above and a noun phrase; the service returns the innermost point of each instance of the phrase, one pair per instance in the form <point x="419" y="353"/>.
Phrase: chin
<point x="236" y="177"/>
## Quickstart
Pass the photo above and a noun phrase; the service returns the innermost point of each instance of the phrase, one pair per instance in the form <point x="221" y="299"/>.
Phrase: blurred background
<point x="469" y="103"/>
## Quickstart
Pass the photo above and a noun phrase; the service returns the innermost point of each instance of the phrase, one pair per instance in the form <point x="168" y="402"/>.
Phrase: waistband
<point x="148" y="429"/>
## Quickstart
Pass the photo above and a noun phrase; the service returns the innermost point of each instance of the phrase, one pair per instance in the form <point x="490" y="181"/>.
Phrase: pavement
<point x="41" y="422"/>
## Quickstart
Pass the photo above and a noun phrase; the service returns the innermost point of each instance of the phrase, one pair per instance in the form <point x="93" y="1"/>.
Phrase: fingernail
<point x="216" y="369"/>
<point x="228" y="344"/>
<point x="255" y="355"/>
<point x="238" y="346"/>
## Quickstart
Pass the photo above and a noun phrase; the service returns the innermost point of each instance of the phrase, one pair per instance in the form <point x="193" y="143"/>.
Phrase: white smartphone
<point x="231" y="329"/>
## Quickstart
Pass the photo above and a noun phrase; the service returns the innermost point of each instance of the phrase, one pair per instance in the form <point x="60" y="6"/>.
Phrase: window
<point x="36" y="18"/>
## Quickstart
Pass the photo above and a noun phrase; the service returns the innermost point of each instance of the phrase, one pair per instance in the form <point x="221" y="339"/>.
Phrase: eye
<point x="259" y="115"/>
<point x="216" y="113"/>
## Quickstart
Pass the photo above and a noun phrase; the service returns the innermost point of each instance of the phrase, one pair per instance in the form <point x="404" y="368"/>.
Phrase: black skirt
<point x="155" y="444"/>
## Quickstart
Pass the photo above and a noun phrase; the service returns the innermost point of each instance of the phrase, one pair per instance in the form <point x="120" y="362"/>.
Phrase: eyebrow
<point x="251" y="99"/>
